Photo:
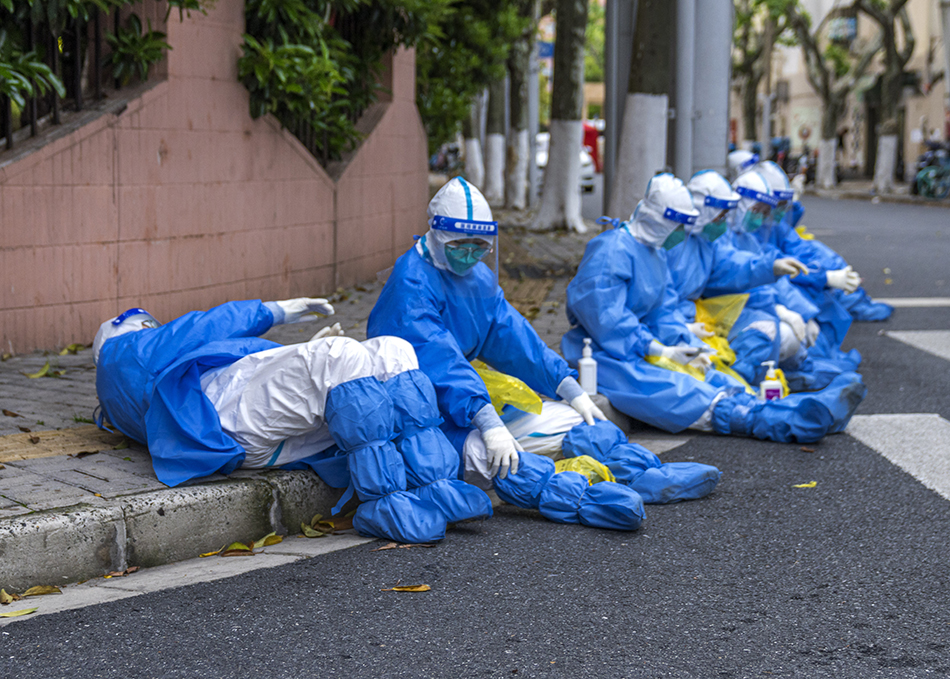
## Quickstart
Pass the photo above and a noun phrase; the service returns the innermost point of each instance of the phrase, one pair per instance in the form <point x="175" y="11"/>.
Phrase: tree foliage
<point x="471" y="51"/>
<point x="594" y="50"/>
<point x="317" y="62"/>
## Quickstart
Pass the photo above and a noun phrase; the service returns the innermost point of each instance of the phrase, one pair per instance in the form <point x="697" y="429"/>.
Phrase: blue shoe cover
<point x="569" y="498"/>
<point x="611" y="505"/>
<point x="401" y="517"/>
<point x="605" y="442"/>
<point x="676" y="481"/>
<point x="862" y="308"/>
<point x="457" y="500"/>
<point x="524" y="488"/>
<point x="376" y="470"/>
<point x="359" y="412"/>
<point x="813" y="373"/>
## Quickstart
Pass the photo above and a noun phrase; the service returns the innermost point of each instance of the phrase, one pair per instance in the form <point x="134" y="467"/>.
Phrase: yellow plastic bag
<point x="507" y="390"/>
<point x="586" y="465"/>
<point x="661" y="362"/>
<point x="720" y="313"/>
<point x="802" y="232"/>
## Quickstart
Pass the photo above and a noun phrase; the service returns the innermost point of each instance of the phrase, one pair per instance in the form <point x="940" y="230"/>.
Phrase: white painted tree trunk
<point x="827" y="152"/>
<point x="495" y="169"/>
<point x="642" y="151"/>
<point x="885" y="163"/>
<point x="516" y="189"/>
<point x="474" y="167"/>
<point x="561" y="197"/>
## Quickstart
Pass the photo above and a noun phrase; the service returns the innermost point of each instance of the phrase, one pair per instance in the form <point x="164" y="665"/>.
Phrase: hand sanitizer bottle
<point x="587" y="367"/>
<point x="770" y="388"/>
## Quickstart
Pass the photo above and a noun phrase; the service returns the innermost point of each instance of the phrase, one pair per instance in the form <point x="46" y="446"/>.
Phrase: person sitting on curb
<point x="448" y="304"/>
<point x="207" y="395"/>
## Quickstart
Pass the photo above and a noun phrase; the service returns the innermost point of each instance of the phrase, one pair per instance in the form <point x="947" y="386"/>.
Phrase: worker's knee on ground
<point x="767" y="328"/>
<point x="337" y="360"/>
<point x="391" y="356"/>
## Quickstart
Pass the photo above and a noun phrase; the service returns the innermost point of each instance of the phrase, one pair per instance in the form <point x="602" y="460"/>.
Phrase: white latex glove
<point x="794" y="321"/>
<point x="295" y="309"/>
<point x="811" y="333"/>
<point x="587" y="409"/>
<point x="681" y="354"/>
<point x="503" y="451"/>
<point x="788" y="266"/>
<point x="702" y="362"/>
<point x="846" y="279"/>
<point x="330" y="331"/>
<point x="699" y="329"/>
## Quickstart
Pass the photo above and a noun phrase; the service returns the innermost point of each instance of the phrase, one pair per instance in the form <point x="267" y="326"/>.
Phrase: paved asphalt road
<point x="850" y="578"/>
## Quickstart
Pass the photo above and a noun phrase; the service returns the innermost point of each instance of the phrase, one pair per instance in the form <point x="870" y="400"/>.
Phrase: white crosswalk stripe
<point x="936" y="342"/>
<point x="914" y="302"/>
<point x="917" y="443"/>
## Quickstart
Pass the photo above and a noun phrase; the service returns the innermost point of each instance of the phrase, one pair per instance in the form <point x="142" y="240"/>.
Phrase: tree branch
<point x="908" y="50"/>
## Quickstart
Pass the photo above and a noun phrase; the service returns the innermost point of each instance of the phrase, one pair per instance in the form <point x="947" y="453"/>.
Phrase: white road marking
<point x="936" y="342"/>
<point x="917" y="443"/>
<point x="100" y="590"/>
<point x="914" y="302"/>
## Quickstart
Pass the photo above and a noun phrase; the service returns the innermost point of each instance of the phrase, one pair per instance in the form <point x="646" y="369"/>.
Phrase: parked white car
<point x="587" y="163"/>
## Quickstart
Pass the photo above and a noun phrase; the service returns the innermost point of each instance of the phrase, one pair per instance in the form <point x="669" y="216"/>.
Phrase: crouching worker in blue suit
<point x="447" y="303"/>
<point x="621" y="298"/>
<point x="207" y="395"/>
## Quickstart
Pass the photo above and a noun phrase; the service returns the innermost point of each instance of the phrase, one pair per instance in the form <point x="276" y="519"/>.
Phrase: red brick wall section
<point x="183" y="201"/>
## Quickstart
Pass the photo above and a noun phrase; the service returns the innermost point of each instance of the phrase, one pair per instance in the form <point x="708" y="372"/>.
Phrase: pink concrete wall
<point x="183" y="201"/>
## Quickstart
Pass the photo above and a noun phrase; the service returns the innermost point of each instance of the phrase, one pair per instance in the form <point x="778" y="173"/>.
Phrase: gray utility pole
<point x="945" y="16"/>
<point x="684" y="88"/>
<point x="620" y="19"/>
<point x="713" y="73"/>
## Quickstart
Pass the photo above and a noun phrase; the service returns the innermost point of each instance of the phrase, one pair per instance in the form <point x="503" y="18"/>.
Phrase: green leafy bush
<point x="134" y="50"/>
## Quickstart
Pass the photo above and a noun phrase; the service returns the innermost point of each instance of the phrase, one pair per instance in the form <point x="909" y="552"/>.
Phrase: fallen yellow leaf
<point x="269" y="539"/>
<point x="238" y="549"/>
<point x="217" y="551"/>
<point x="39" y="373"/>
<point x="389" y="545"/>
<point x="8" y="598"/>
<point x="40" y="590"/>
<point x="122" y="446"/>
<point x="16" y="614"/>
<point x="72" y="349"/>
<point x="408" y="588"/>
<point x="810" y="484"/>
<point x="310" y="532"/>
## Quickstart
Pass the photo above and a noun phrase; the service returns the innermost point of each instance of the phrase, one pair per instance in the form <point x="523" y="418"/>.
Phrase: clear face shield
<point x="465" y="247"/>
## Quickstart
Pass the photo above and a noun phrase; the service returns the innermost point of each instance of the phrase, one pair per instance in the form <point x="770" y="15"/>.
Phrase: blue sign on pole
<point x="545" y="50"/>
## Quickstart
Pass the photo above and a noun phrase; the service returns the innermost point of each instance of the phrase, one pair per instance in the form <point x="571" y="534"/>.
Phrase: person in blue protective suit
<point x="450" y="307"/>
<point x="843" y="281"/>
<point x="810" y="314"/>
<point x="619" y="299"/>
<point x="740" y="161"/>
<point x="706" y="265"/>
<point x="207" y="395"/>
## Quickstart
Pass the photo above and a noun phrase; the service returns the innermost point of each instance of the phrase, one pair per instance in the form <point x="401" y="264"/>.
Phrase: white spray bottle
<point x="770" y="388"/>
<point x="587" y="367"/>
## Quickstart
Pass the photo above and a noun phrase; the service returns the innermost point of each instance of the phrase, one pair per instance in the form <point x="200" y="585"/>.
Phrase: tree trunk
<point x="642" y="150"/>
<point x="885" y="164"/>
<point x="517" y="158"/>
<point x="474" y="168"/>
<point x="560" y="198"/>
<point x="750" y="103"/>
<point x="826" y="176"/>
<point x="495" y="145"/>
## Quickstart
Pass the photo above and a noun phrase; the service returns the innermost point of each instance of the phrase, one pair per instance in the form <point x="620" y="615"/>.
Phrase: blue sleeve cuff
<point x="486" y="419"/>
<point x="569" y="389"/>
<point x="277" y="311"/>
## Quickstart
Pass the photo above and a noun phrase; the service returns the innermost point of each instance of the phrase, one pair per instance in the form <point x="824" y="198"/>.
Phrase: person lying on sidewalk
<point x="447" y="303"/>
<point x="207" y="395"/>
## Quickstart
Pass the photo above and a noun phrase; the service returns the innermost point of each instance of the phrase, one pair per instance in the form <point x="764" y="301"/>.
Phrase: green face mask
<point x="752" y="221"/>
<point x="463" y="256"/>
<point x="713" y="230"/>
<point x="675" y="238"/>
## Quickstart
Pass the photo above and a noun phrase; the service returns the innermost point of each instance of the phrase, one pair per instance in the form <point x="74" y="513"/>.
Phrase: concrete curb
<point x="75" y="543"/>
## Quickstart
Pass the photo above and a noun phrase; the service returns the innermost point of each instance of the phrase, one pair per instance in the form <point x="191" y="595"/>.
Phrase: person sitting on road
<point x="207" y="395"/>
<point x="623" y="298"/>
